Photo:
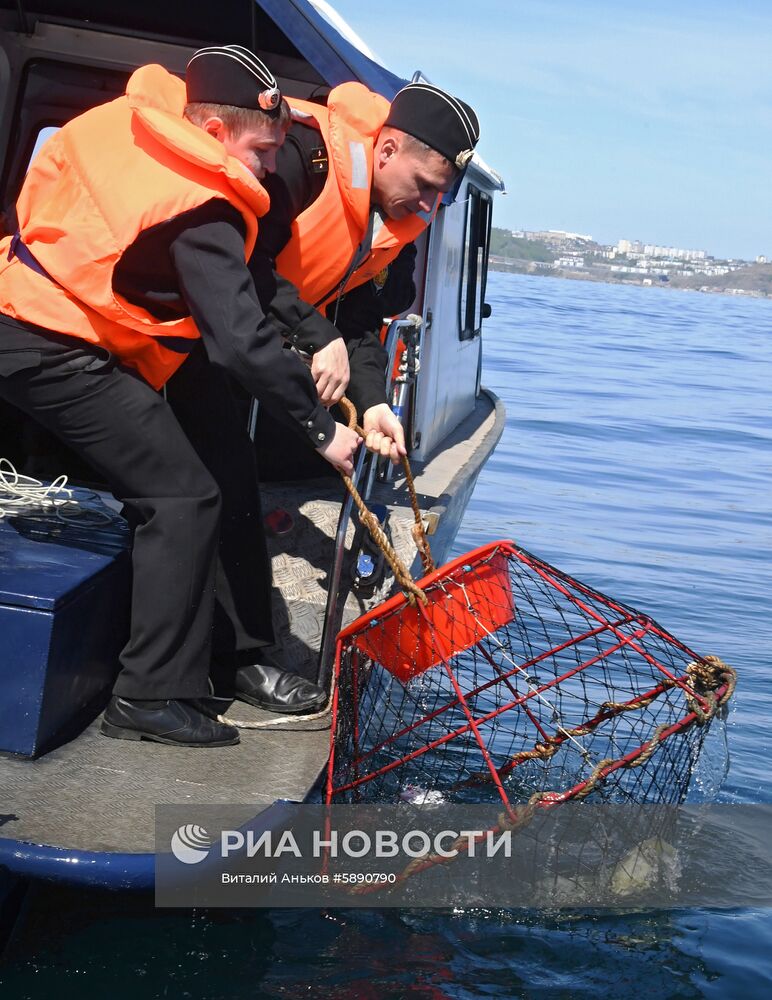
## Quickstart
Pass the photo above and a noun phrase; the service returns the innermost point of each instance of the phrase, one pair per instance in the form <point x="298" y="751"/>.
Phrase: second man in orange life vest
<point x="135" y="222"/>
<point x="355" y="182"/>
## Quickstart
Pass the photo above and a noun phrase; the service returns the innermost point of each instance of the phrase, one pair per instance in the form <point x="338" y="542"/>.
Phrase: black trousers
<point x="185" y="471"/>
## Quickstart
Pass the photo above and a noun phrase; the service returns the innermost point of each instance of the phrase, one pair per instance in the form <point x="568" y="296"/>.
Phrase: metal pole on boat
<point x="402" y="390"/>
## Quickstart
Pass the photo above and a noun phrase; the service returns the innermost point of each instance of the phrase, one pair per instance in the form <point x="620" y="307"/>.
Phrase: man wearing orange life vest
<point x="129" y="273"/>
<point x="355" y="183"/>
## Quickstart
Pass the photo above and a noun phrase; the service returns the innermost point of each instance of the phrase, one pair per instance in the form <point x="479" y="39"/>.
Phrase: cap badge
<point x="269" y="99"/>
<point x="463" y="158"/>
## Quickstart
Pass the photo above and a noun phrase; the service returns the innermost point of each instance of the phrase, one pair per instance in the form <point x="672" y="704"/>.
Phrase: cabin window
<point x="8" y="220"/>
<point x="51" y="93"/>
<point x="43" y="135"/>
<point x="475" y="262"/>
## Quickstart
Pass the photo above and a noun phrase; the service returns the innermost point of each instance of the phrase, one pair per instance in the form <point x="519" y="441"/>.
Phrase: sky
<point x="648" y="121"/>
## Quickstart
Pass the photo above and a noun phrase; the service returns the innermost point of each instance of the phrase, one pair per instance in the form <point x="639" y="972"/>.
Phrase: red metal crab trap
<point x="508" y="679"/>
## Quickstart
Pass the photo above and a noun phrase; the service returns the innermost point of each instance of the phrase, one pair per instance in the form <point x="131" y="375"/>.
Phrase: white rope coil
<point x="20" y="494"/>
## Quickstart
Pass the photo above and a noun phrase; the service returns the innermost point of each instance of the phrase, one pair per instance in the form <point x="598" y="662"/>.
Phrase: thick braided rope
<point x="706" y="677"/>
<point x="419" y="532"/>
<point x="400" y="571"/>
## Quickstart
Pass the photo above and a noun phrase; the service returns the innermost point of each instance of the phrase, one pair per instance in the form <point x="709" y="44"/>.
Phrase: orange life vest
<point x="326" y="235"/>
<point x="104" y="178"/>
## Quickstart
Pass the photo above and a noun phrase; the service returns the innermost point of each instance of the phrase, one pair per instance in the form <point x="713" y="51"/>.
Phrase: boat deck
<point x="96" y="794"/>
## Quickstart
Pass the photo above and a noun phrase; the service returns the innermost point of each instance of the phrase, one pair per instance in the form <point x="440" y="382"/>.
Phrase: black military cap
<point x="440" y="120"/>
<point x="231" y="74"/>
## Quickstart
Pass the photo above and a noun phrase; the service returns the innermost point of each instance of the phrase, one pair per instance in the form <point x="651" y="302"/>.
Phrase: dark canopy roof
<point x="291" y="28"/>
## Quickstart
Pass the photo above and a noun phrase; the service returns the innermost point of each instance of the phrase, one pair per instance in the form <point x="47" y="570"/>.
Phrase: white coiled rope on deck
<point x="20" y="494"/>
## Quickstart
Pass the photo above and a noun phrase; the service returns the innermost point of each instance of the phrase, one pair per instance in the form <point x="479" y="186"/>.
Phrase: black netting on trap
<point x="516" y="679"/>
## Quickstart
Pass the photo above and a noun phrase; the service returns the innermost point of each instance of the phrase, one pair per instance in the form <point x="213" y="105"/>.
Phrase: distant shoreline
<point x="739" y="287"/>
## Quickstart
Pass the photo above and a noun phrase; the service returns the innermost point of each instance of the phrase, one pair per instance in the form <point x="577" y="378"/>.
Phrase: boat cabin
<point x="67" y="795"/>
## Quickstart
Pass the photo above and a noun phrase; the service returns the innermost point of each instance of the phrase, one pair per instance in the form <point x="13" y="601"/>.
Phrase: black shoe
<point x="211" y="705"/>
<point x="277" y="690"/>
<point x="172" y="721"/>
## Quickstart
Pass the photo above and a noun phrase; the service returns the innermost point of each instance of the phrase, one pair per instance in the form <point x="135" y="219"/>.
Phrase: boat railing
<point x="402" y="385"/>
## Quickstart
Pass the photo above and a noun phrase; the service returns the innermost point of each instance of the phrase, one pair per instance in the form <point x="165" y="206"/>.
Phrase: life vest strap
<point x="19" y="249"/>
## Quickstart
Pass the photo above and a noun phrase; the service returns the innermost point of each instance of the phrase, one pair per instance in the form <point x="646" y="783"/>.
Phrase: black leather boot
<point x="277" y="690"/>
<point x="173" y="721"/>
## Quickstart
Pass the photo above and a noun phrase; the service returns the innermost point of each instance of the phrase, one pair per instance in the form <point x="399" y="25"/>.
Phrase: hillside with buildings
<point x="577" y="255"/>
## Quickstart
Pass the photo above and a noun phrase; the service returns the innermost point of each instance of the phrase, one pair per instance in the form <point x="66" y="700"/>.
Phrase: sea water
<point x="637" y="456"/>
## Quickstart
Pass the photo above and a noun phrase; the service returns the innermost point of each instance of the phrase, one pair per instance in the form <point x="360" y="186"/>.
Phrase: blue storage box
<point x="64" y="614"/>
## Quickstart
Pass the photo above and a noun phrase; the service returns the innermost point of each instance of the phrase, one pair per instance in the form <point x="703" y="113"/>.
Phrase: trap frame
<point x="513" y="679"/>
<point x="500" y="677"/>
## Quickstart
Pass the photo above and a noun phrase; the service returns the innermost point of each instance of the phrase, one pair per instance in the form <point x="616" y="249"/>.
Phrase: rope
<point x="280" y="720"/>
<point x="419" y="531"/>
<point x="706" y="677"/>
<point x="21" y="494"/>
<point x="401" y="572"/>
